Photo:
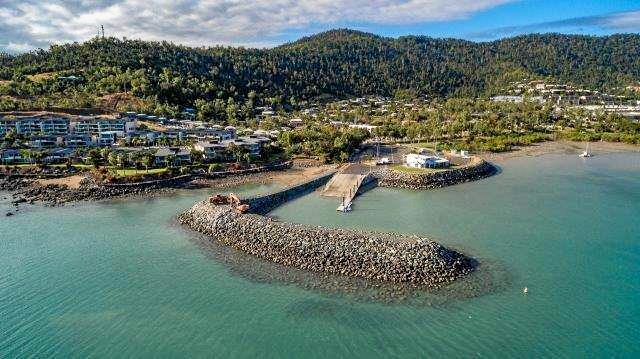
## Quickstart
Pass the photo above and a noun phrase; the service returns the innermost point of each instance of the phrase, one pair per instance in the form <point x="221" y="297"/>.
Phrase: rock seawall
<point x="475" y="170"/>
<point x="263" y="204"/>
<point x="371" y="255"/>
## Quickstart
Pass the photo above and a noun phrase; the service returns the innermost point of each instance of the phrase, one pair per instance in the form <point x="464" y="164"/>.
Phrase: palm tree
<point x="26" y="154"/>
<point x="146" y="161"/>
<point x="120" y="161"/>
<point x="237" y="151"/>
<point x="171" y="159"/>
<point x="247" y="157"/>
<point x="197" y="156"/>
<point x="94" y="157"/>
<point x="112" y="159"/>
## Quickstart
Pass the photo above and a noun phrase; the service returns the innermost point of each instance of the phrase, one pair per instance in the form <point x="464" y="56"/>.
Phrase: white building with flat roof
<point x="415" y="160"/>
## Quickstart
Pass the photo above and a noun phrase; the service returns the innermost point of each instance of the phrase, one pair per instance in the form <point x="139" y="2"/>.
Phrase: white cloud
<point x="209" y="22"/>
<point x="608" y="23"/>
<point x="622" y="21"/>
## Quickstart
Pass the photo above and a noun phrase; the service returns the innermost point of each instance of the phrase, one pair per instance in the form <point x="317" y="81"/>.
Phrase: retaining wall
<point x="475" y="170"/>
<point x="263" y="204"/>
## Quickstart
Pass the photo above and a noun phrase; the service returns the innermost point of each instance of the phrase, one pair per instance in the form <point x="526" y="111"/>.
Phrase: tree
<point x="197" y="156"/>
<point x="237" y="151"/>
<point x="147" y="161"/>
<point x="112" y="159"/>
<point x="26" y="154"/>
<point x="247" y="157"/>
<point x="214" y="167"/>
<point x="171" y="161"/>
<point x="94" y="157"/>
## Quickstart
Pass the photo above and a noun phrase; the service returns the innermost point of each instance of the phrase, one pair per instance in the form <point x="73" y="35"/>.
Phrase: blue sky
<point x="29" y="24"/>
<point x="586" y="17"/>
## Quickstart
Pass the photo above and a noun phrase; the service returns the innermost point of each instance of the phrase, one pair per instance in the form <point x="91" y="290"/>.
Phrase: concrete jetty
<point x="348" y="183"/>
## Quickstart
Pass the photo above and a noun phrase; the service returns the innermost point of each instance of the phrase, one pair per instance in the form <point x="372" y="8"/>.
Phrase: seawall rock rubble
<point x="476" y="169"/>
<point x="377" y="256"/>
<point x="385" y="257"/>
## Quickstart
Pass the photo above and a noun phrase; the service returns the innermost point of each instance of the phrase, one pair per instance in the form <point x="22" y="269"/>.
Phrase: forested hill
<point x="336" y="63"/>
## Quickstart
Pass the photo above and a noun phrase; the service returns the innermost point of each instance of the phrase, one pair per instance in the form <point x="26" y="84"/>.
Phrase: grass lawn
<point x="132" y="171"/>
<point x="411" y="170"/>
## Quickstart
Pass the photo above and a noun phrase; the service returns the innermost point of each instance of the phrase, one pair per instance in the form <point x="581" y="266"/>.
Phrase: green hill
<point x="337" y="63"/>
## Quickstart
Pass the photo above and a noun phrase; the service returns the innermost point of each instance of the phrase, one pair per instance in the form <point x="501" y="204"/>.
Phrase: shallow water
<point x="122" y="279"/>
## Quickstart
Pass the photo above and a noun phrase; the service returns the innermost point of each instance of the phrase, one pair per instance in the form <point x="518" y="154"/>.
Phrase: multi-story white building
<point x="54" y="126"/>
<point x="95" y="127"/>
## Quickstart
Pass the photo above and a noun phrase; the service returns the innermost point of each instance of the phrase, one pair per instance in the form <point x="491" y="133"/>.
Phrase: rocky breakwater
<point x="376" y="256"/>
<point x="476" y="169"/>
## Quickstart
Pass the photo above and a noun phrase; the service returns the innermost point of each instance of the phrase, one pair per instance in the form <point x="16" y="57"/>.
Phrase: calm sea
<point x="122" y="279"/>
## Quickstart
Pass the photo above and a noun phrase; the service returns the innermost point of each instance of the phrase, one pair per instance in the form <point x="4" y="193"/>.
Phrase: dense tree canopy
<point x="228" y="82"/>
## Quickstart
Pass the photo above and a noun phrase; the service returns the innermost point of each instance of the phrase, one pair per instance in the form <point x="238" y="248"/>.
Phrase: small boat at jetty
<point x="586" y="153"/>
<point x="344" y="207"/>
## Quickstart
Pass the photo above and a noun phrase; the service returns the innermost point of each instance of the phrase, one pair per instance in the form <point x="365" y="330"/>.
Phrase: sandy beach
<point x="72" y="182"/>
<point x="560" y="147"/>
<point x="285" y="178"/>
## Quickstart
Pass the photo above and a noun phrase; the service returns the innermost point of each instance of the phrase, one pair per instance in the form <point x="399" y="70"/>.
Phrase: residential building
<point x="369" y="128"/>
<point x="7" y="125"/>
<point x="165" y="154"/>
<point x="58" y="155"/>
<point x="33" y="125"/>
<point x="107" y="138"/>
<point x="54" y="126"/>
<point x="295" y="122"/>
<point x="43" y="142"/>
<point x="213" y="150"/>
<point x="28" y="126"/>
<point x="426" y="161"/>
<point x="10" y="155"/>
<point x="74" y="140"/>
<point x="91" y="126"/>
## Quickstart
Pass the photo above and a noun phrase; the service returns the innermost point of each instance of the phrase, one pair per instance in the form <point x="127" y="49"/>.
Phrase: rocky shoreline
<point x="475" y="170"/>
<point x="55" y="195"/>
<point x="384" y="257"/>
<point x="28" y="190"/>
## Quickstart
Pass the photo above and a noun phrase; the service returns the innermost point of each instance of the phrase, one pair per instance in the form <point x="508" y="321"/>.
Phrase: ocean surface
<point x="122" y="279"/>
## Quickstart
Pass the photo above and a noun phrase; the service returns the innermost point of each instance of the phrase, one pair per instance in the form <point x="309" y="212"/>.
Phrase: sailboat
<point x="586" y="153"/>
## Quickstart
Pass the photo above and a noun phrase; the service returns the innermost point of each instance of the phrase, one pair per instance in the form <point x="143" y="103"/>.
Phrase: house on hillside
<point x="213" y="150"/>
<point x="172" y="155"/>
<point x="10" y="155"/>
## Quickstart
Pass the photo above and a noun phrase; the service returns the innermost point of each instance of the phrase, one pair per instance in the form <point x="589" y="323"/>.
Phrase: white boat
<point x="344" y="207"/>
<point x="586" y="153"/>
<point x="383" y="161"/>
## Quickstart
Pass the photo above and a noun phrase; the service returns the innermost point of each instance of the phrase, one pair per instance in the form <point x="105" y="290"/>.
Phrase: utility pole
<point x="102" y="28"/>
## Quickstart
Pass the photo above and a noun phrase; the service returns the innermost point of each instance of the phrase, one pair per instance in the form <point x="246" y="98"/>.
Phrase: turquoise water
<point x="121" y="279"/>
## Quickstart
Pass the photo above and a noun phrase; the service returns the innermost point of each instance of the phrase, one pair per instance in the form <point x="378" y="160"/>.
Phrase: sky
<point x="26" y="25"/>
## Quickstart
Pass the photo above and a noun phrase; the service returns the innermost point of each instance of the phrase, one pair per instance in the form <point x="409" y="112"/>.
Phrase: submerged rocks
<point x="378" y="256"/>
<point x="475" y="170"/>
